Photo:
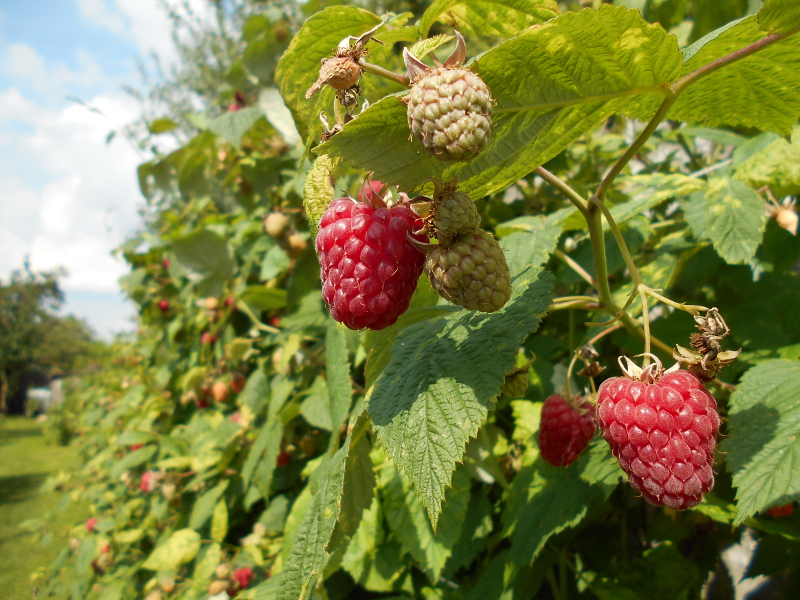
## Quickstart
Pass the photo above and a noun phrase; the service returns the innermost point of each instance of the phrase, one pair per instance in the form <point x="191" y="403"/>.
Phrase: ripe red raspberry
<point x="284" y="458"/>
<point x="243" y="577"/>
<point x="564" y="431"/>
<point x="662" y="427"/>
<point x="781" y="511"/>
<point x="163" y="306"/>
<point x="368" y="267"/>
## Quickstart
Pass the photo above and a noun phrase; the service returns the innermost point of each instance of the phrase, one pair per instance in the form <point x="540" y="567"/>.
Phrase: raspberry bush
<point x="381" y="301"/>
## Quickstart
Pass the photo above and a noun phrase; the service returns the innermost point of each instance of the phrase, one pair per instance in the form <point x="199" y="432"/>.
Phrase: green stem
<point x="561" y="186"/>
<point x="645" y="324"/>
<point x="575" y="267"/>
<point x="385" y="73"/>
<point x="711" y="67"/>
<point x="623" y="247"/>
<point x="595" y="222"/>
<point x="692" y="309"/>
<point x="256" y="323"/>
<point x="634" y="148"/>
<point x="554" y="587"/>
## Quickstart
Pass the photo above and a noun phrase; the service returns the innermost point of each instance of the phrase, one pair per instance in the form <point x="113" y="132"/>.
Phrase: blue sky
<point x="66" y="197"/>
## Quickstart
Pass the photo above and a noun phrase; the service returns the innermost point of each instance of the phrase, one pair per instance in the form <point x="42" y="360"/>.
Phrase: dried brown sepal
<point x="591" y="370"/>
<point x="707" y="343"/>
<point x="706" y="369"/>
<point x="785" y="213"/>
<point x="588" y="352"/>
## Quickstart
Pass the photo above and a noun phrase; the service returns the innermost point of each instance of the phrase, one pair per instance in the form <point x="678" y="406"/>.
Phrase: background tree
<point x="32" y="337"/>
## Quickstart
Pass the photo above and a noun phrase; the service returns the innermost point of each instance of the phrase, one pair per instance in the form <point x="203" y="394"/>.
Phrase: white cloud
<point x="96" y="12"/>
<point x="16" y="107"/>
<point x="145" y="22"/>
<point x="24" y="62"/>
<point x="88" y="207"/>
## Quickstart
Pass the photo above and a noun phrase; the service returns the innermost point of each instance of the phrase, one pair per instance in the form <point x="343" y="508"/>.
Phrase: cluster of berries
<point x="661" y="425"/>
<point x="467" y="266"/>
<point x="372" y="253"/>
<point x="229" y="581"/>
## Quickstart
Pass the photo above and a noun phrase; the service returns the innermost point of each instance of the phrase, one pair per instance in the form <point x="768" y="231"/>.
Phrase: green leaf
<point x="358" y="488"/>
<point x="378" y="141"/>
<point x="231" y="126"/>
<point x="542" y="501"/>
<point x="256" y="391"/>
<point x="340" y="390"/>
<point x="204" y="506"/>
<point x="219" y="522"/>
<point x="776" y="165"/>
<point x="278" y="115"/>
<point x="181" y="547"/>
<point x="192" y="180"/>
<point x="275" y="262"/>
<point x="734" y="219"/>
<point x="779" y="16"/>
<point x="206" y="254"/>
<point x="648" y="191"/>
<point x="440" y="382"/>
<point x="316" y="407"/>
<point x="366" y="542"/>
<point x="757" y="91"/>
<point x="532" y="247"/>
<point x="310" y="550"/>
<point x="318" y="191"/>
<point x="131" y="460"/>
<point x="381" y="351"/>
<point x="485" y="18"/>
<point x="161" y="126"/>
<point x="424" y="47"/>
<point x="299" y="65"/>
<point x="261" y="297"/>
<point x="598" y="465"/>
<point x="763" y="447"/>
<point x="406" y="516"/>
<point x="527" y="416"/>
<point x="551" y="83"/>
<point x="263" y="456"/>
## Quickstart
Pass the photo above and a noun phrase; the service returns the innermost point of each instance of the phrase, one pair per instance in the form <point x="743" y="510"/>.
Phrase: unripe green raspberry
<point x="471" y="272"/>
<point x="516" y="383"/>
<point x="455" y="213"/>
<point x="450" y="113"/>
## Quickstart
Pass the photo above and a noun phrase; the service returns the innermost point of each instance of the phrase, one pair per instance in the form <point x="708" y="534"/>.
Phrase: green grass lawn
<point x="26" y="459"/>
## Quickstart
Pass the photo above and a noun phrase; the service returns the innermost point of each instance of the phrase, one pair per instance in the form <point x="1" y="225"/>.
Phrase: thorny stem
<point x="575" y="267"/>
<point x="385" y="73"/>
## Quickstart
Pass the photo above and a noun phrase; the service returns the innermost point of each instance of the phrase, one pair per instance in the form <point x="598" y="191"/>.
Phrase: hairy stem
<point x="645" y="324"/>
<point x="575" y="267"/>
<point x="634" y="148"/>
<point x="623" y="247"/>
<point x="561" y="186"/>
<point x="692" y="309"/>
<point x="385" y="73"/>
<point x="716" y="65"/>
